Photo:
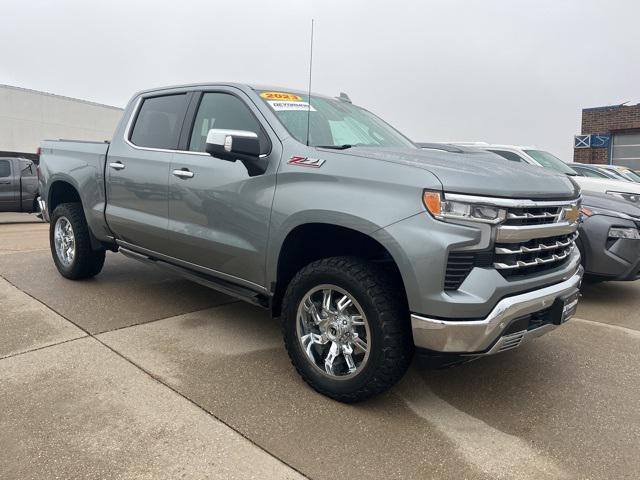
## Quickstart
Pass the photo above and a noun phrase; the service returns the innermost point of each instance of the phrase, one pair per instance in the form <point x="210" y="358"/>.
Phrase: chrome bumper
<point x="43" y="209"/>
<point x="485" y="336"/>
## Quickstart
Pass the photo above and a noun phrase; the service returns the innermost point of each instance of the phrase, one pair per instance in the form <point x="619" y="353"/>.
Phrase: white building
<point x="27" y="117"/>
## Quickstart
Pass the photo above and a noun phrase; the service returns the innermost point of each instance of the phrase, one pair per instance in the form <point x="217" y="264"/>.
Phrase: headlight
<point x="629" y="197"/>
<point x="444" y="209"/>
<point x="620" y="232"/>
<point x="588" y="211"/>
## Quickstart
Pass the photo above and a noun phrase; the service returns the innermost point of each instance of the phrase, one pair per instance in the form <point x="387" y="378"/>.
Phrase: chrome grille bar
<point x="529" y="215"/>
<point x="555" y="257"/>
<point x="540" y="247"/>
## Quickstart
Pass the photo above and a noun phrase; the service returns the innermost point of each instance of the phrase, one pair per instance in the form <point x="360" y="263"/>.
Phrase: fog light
<point x="619" y="232"/>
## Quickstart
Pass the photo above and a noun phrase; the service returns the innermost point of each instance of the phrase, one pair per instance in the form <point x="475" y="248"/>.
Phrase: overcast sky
<point x="498" y="71"/>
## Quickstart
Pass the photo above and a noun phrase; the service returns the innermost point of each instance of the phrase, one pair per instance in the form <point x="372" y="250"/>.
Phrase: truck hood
<point x="476" y="172"/>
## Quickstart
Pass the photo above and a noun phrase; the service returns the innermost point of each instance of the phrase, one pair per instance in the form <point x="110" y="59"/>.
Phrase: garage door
<point x="626" y="150"/>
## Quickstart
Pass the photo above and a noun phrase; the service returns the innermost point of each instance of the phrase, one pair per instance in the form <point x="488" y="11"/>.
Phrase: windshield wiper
<point x="335" y="147"/>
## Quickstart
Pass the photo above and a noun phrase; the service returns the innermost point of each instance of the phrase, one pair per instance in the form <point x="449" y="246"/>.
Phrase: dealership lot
<point x="136" y="373"/>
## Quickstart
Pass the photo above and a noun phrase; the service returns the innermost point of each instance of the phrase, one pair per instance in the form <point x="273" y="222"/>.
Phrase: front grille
<point x="534" y="237"/>
<point x="533" y="256"/>
<point x="533" y="215"/>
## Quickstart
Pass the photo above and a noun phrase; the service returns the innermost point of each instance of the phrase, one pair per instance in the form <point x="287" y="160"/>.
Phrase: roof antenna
<point x="309" y="99"/>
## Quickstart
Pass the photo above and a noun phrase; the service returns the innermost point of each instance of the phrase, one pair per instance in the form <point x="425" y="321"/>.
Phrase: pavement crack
<point x="54" y="344"/>
<point x="223" y="304"/>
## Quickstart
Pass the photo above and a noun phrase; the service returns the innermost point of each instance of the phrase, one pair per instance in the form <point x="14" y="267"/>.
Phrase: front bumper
<point x="488" y="335"/>
<point x="612" y="259"/>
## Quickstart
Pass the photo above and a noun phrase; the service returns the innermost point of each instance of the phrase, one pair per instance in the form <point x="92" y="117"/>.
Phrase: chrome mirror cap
<point x="224" y="138"/>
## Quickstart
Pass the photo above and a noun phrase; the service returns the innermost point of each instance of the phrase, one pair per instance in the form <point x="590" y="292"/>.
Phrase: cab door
<point x="218" y="214"/>
<point x="137" y="172"/>
<point x="8" y="187"/>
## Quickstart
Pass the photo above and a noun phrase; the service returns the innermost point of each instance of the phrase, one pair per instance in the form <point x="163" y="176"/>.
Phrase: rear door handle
<point x="117" y="165"/>
<point x="184" y="173"/>
<point x="5" y="183"/>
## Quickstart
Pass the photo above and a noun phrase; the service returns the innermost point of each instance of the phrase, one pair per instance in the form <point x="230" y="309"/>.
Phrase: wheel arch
<point x="62" y="191"/>
<point x="312" y="241"/>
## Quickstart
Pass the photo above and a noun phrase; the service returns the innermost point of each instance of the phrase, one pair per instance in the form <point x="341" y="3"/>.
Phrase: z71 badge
<point x="306" y="162"/>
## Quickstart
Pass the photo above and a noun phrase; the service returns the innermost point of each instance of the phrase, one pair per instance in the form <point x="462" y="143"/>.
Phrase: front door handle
<point x="5" y="183"/>
<point x="184" y="173"/>
<point x="117" y="165"/>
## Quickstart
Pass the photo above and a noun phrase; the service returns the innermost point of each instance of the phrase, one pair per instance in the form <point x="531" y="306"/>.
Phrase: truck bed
<point x="81" y="164"/>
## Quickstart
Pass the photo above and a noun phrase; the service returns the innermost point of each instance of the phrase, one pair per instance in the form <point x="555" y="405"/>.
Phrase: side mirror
<point x="232" y="145"/>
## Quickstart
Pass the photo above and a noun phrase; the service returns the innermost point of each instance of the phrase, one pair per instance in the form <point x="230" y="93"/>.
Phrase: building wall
<point x="27" y="117"/>
<point x="603" y="120"/>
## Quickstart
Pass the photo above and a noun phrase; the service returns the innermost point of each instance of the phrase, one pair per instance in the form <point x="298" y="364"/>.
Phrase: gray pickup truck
<point x="18" y="185"/>
<point x="367" y="247"/>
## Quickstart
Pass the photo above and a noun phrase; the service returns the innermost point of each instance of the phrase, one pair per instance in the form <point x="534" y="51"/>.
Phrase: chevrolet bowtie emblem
<point x="571" y="214"/>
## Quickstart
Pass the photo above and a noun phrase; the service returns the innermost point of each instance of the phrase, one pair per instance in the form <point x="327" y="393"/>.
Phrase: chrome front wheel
<point x="65" y="242"/>
<point x="333" y="331"/>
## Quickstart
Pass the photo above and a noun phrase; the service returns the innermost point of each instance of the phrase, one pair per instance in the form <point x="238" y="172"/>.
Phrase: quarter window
<point x="159" y="122"/>
<point x="223" y="111"/>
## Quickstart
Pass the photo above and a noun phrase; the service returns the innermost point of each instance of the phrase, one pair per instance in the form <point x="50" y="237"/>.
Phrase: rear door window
<point x="159" y="122"/>
<point x="5" y="168"/>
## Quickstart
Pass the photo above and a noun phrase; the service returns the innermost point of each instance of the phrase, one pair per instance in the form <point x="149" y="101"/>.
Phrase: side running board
<point x="209" y="281"/>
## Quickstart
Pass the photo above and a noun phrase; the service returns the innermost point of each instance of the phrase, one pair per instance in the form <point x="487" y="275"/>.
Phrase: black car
<point x="609" y="238"/>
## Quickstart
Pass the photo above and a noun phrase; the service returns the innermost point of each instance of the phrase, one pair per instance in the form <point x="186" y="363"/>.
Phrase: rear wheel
<point x="71" y="244"/>
<point x="346" y="331"/>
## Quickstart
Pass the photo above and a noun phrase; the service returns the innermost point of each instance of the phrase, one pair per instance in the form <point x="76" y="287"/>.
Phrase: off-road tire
<point x="387" y="315"/>
<point x="87" y="262"/>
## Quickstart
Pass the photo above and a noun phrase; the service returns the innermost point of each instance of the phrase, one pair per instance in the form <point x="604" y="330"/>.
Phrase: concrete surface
<point x="28" y="324"/>
<point x="78" y="410"/>
<point x="166" y="361"/>
<point x="15" y="217"/>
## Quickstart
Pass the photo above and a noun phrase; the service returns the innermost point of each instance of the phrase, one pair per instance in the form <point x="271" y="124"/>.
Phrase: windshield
<point x="332" y="122"/>
<point x="550" y="161"/>
<point x="588" y="172"/>
<point x="631" y="175"/>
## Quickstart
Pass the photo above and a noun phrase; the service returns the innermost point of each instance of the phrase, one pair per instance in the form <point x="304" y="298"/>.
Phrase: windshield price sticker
<point x="280" y="106"/>
<point x="280" y="96"/>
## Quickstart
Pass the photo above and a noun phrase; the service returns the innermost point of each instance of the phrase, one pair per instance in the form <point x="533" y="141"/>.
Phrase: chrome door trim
<point x="193" y="266"/>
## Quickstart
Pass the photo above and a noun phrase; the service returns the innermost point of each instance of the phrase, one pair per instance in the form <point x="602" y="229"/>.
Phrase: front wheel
<point x="345" y="328"/>
<point x="71" y="244"/>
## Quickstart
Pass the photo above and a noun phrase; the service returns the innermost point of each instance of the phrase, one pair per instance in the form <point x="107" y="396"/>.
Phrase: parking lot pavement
<point x="10" y="217"/>
<point x="23" y="237"/>
<point x="125" y="293"/>
<point x="615" y="303"/>
<point x="563" y="406"/>
<point x="27" y="324"/>
<point x="78" y="410"/>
